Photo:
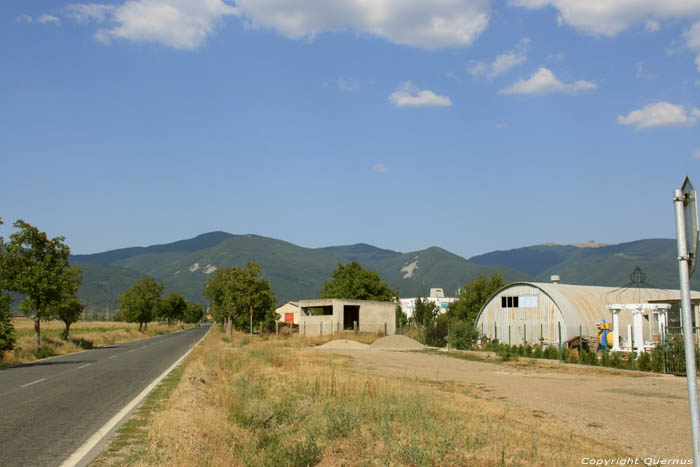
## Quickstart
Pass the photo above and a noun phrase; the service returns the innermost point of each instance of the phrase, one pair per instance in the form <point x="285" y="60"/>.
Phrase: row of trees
<point x="144" y="303"/>
<point x="36" y="267"/>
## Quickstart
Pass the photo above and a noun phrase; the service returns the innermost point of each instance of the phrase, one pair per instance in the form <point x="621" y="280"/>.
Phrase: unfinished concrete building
<point x="330" y="315"/>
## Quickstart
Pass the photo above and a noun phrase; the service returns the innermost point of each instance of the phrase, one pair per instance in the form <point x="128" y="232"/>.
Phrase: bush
<point x="538" y="351"/>
<point x="657" y="359"/>
<point x="521" y="350"/>
<point x="643" y="362"/>
<point x="7" y="332"/>
<point x="590" y="358"/>
<point x="605" y="358"/>
<point x="553" y="352"/>
<point x="528" y="350"/>
<point x="573" y="356"/>
<point x="565" y="352"/>
<point x="464" y="336"/>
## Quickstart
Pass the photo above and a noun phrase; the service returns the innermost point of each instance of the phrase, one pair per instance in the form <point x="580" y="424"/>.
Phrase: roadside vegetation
<point x="36" y="268"/>
<point x="84" y="335"/>
<point x="260" y="401"/>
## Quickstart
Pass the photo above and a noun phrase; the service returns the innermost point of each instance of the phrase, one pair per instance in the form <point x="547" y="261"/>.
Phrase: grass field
<point x="84" y="335"/>
<point x="260" y="402"/>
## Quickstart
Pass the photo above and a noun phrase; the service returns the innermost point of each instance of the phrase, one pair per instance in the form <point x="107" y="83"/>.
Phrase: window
<point x="528" y="301"/>
<point x="523" y="301"/>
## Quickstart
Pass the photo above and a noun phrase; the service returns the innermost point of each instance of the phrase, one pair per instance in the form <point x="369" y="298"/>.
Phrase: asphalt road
<point x="48" y="409"/>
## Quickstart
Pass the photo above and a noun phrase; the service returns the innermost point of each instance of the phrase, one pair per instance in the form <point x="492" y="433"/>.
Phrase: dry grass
<point x="84" y="335"/>
<point x="259" y="403"/>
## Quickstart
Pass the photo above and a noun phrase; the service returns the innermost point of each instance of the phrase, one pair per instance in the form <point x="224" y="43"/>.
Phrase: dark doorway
<point x="351" y="313"/>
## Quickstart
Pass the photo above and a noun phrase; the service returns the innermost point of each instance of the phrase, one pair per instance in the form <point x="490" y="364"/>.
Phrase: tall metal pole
<point x="690" y="370"/>
<point x="251" y="320"/>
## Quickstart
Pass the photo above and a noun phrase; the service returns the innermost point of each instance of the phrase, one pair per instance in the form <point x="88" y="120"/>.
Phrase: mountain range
<point x="296" y="272"/>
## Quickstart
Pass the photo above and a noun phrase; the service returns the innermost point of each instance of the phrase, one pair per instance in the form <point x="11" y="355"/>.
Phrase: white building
<point x="437" y="296"/>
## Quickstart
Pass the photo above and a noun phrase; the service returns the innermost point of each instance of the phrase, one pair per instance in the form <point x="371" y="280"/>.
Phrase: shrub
<point x="528" y="350"/>
<point x="657" y="359"/>
<point x="565" y="352"/>
<point x="464" y="336"/>
<point x="521" y="350"/>
<point x="538" y="351"/>
<point x="590" y="358"/>
<point x="7" y="332"/>
<point x="553" y="352"/>
<point x="573" y="356"/>
<point x="616" y="360"/>
<point x="643" y="362"/>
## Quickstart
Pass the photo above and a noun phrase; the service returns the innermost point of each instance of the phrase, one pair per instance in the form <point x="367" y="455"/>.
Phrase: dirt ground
<point x="646" y="413"/>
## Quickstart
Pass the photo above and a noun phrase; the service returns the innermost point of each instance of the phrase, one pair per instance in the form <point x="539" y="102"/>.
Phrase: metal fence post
<point x="321" y="333"/>
<point x="561" y="357"/>
<point x="385" y="328"/>
<point x="277" y="328"/>
<point x="509" y="335"/>
<point x="580" y="344"/>
<point x="354" y="326"/>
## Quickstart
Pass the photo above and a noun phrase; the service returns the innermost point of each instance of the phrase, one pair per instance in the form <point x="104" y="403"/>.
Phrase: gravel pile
<point x="397" y="343"/>
<point x="344" y="344"/>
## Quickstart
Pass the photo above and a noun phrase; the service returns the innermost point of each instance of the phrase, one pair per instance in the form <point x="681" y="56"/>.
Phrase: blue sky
<point x="470" y="125"/>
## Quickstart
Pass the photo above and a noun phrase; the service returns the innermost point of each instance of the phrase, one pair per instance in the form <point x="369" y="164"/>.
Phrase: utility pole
<point x="251" y="320"/>
<point x="684" y="202"/>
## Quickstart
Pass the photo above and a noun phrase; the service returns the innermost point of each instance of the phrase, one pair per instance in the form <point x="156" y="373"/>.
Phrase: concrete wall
<point x="374" y="316"/>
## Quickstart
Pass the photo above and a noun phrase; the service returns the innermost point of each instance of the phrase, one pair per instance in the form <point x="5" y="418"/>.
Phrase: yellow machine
<point x="605" y="335"/>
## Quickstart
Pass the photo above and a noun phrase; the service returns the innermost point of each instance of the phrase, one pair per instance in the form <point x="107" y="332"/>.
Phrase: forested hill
<point x="595" y="264"/>
<point x="295" y="272"/>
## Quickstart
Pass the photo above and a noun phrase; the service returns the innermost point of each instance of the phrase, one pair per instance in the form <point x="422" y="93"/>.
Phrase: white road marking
<point x="85" y="449"/>
<point x="83" y="366"/>
<point x="144" y="346"/>
<point x="132" y="350"/>
<point x="114" y="356"/>
<point x="33" y="382"/>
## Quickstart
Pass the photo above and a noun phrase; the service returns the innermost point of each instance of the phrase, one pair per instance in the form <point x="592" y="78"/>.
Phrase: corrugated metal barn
<point x="529" y="312"/>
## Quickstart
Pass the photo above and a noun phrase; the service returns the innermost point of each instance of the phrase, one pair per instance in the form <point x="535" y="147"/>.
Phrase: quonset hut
<point x="530" y="312"/>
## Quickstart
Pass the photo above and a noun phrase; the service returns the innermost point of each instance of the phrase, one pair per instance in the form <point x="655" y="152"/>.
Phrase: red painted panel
<point x="289" y="317"/>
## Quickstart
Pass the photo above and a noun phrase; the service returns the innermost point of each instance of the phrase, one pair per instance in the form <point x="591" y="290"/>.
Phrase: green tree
<point x="401" y="318"/>
<point x="141" y="302"/>
<point x="193" y="313"/>
<point x="37" y="267"/>
<point x="353" y="282"/>
<point x="172" y="307"/>
<point x="232" y="293"/>
<point x="463" y="312"/>
<point x="473" y="297"/>
<point x="424" y="312"/>
<point x="69" y="311"/>
<point x="7" y="330"/>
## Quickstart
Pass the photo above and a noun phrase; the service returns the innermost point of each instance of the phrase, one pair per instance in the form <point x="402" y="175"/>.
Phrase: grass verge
<point x="261" y="403"/>
<point x="131" y="439"/>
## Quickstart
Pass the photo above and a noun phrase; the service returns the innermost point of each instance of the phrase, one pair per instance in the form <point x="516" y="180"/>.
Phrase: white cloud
<point x="502" y="62"/>
<point x="407" y="95"/>
<point x="692" y="39"/>
<point x="696" y="154"/>
<point x="89" y="12"/>
<point x="379" y="168"/>
<point x="45" y="18"/>
<point x="25" y="19"/>
<point x="182" y="24"/>
<point x="652" y="26"/>
<point x="660" y="114"/>
<point x="543" y="81"/>
<point x="610" y="17"/>
<point x="430" y="25"/>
